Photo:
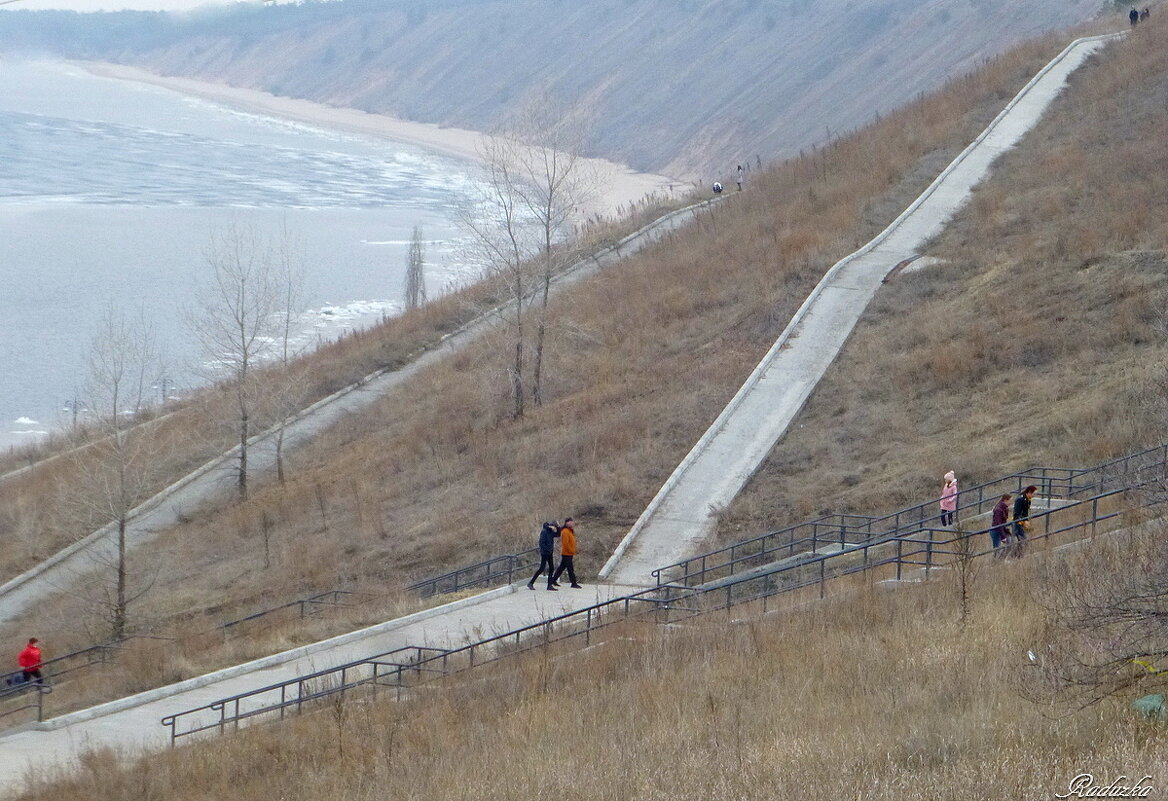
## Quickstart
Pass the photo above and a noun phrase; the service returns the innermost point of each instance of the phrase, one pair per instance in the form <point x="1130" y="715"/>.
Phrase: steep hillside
<point x="1038" y="336"/>
<point x="688" y="88"/>
<point x="640" y="360"/>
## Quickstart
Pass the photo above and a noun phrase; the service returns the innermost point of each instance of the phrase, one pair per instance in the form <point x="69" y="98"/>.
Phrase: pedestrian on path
<point x="999" y="526"/>
<point x="949" y="499"/>
<point x="1134" y="16"/>
<point x="567" y="553"/>
<point x="1022" y="524"/>
<point x="547" y="558"/>
<point x="30" y="661"/>
<point x="741" y="177"/>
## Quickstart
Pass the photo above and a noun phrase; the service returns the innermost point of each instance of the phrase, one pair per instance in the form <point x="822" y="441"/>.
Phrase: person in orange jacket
<point x="30" y="661"/>
<point x="567" y="552"/>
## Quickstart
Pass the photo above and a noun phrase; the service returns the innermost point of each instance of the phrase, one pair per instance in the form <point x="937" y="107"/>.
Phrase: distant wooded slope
<point x="685" y="87"/>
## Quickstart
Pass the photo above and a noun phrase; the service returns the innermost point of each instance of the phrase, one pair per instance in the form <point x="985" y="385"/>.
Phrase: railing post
<point x="1094" y="516"/>
<point x="822" y="578"/>
<point x="899" y="556"/>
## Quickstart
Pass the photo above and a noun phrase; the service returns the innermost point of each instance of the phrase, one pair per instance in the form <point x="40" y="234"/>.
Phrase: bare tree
<point x="500" y="235"/>
<point x="553" y="182"/>
<point x="239" y="320"/>
<point x="415" y="280"/>
<point x="536" y="185"/>
<point x="288" y="392"/>
<point x="1106" y="620"/>
<point x="119" y="464"/>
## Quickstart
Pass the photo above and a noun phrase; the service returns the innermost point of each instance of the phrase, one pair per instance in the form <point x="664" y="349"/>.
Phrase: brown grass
<point x="1036" y="340"/>
<point x="878" y="695"/>
<point x="641" y="359"/>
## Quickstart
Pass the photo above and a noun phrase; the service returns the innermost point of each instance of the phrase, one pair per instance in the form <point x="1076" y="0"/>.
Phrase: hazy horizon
<point x="178" y="6"/>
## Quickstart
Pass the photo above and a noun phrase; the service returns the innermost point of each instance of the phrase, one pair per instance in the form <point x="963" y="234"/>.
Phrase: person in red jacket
<point x="567" y="552"/>
<point x="30" y="661"/>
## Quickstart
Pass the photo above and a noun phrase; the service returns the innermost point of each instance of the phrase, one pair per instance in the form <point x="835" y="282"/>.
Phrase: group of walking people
<point x="1006" y="535"/>
<point x="566" y="534"/>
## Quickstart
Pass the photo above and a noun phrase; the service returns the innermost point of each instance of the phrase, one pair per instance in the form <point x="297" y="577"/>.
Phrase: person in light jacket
<point x="949" y="499"/>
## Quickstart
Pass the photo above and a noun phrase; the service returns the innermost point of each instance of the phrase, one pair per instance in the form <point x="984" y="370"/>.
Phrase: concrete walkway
<point x="133" y="724"/>
<point x="732" y="449"/>
<point x="709" y="477"/>
<point x="215" y="481"/>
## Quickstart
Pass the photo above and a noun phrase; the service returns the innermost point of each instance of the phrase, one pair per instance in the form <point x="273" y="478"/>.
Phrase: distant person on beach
<point x="717" y="188"/>
<point x="1134" y="16"/>
<point x="1022" y="524"/>
<point x="567" y="553"/>
<point x="547" y="558"/>
<point x="30" y="661"/>
<point x="1147" y="12"/>
<point x="999" y="525"/>
<point x="741" y="176"/>
<point x="949" y="499"/>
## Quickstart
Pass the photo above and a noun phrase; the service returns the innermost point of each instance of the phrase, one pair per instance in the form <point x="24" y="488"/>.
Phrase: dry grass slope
<point x="882" y="695"/>
<point x="1039" y="338"/>
<point x="642" y="358"/>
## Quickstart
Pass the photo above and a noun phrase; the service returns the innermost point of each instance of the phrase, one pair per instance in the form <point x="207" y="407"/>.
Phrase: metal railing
<point x="389" y="670"/>
<point x="330" y="599"/>
<point x="925" y="549"/>
<point x="500" y="569"/>
<point x="804" y="540"/>
<point x="296" y="694"/>
<point x="38" y="692"/>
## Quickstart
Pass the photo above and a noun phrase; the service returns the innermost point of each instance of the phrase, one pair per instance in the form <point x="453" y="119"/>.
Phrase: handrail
<point x="305" y="691"/>
<point x="921" y="551"/>
<point x="1052" y="482"/>
<point x="477" y="574"/>
<point x="326" y="598"/>
<point x="927" y="547"/>
<point x="232" y="710"/>
<point x="42" y="690"/>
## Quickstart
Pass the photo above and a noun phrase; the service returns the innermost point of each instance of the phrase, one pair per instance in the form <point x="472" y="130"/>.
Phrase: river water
<point x="111" y="193"/>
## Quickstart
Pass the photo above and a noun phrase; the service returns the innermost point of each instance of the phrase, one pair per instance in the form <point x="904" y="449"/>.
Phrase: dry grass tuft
<point x="881" y="694"/>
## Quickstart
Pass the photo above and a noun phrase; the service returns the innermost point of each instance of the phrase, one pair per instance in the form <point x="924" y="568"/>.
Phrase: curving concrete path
<point x="732" y="449"/>
<point x="215" y="481"/>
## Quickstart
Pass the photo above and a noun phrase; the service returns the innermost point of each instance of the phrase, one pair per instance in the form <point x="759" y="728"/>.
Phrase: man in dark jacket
<point x="547" y="538"/>
<point x="1021" y="512"/>
<point x="1000" y="532"/>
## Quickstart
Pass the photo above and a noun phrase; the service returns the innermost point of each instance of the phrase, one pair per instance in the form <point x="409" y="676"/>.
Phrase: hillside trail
<point x="684" y="511"/>
<point x="677" y="519"/>
<point x="216" y="481"/>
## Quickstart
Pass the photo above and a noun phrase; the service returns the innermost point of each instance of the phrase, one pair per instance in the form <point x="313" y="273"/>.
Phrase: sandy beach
<point x="620" y="186"/>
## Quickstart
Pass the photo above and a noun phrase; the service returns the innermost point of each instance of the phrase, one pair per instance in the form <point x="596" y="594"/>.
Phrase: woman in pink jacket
<point x="949" y="499"/>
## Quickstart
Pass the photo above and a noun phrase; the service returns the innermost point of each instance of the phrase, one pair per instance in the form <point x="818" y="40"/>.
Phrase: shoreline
<point x="622" y="186"/>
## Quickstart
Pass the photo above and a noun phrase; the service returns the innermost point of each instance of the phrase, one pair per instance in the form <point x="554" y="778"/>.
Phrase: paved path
<point x="724" y="459"/>
<point x="710" y="476"/>
<point x="133" y="724"/>
<point x="216" y="480"/>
